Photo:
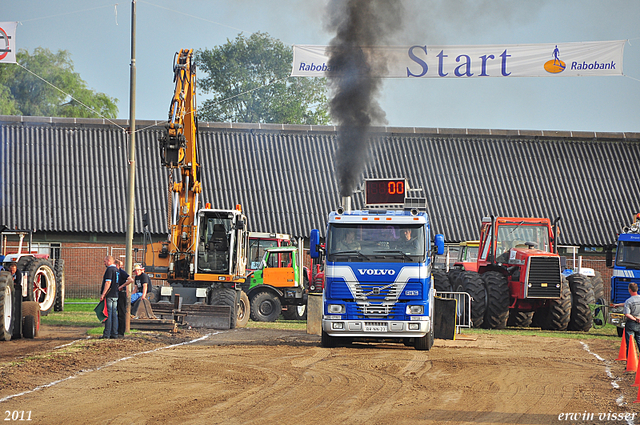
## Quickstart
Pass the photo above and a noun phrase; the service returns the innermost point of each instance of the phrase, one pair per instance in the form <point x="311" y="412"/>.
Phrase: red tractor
<point x="519" y="278"/>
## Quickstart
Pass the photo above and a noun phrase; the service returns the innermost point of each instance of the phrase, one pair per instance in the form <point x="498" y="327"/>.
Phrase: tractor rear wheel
<point x="6" y="306"/>
<point x="59" y="269"/>
<point x="555" y="317"/>
<point x="453" y="276"/>
<point x="41" y="284"/>
<point x="471" y="282"/>
<point x="598" y="288"/>
<point x="265" y="307"/>
<point x="30" y="319"/>
<point x="497" y="300"/>
<point x="441" y="281"/>
<point x="226" y="296"/>
<point x="581" y="296"/>
<point x="520" y="319"/>
<point x="244" y="310"/>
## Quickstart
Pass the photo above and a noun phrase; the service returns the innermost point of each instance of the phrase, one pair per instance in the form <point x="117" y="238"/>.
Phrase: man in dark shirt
<point x="109" y="294"/>
<point x="123" y="281"/>
<point x="16" y="274"/>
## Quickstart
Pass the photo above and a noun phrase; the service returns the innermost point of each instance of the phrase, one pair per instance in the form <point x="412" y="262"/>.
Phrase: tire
<point x="471" y="283"/>
<point x="30" y="312"/>
<point x="441" y="281"/>
<point x="597" y="285"/>
<point x="327" y="341"/>
<point x="59" y="270"/>
<point x="7" y="298"/>
<point x="426" y="342"/>
<point x="265" y="307"/>
<point x="244" y="310"/>
<point x="453" y="276"/>
<point x="498" y="299"/>
<point x="520" y="319"/>
<point x="555" y="317"/>
<point x="226" y="296"/>
<point x="41" y="284"/>
<point x="295" y="312"/>
<point x="581" y="296"/>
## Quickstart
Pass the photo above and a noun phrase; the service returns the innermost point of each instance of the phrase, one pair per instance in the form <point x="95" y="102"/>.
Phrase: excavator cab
<point x="222" y="239"/>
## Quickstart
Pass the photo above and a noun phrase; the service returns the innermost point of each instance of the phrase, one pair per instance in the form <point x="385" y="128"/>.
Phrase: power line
<point x="67" y="94"/>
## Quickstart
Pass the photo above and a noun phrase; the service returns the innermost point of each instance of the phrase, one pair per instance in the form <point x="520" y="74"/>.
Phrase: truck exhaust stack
<point x="346" y="205"/>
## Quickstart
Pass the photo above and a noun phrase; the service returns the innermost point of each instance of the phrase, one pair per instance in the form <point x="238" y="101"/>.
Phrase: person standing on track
<point x="123" y="280"/>
<point x="632" y="313"/>
<point x="109" y="294"/>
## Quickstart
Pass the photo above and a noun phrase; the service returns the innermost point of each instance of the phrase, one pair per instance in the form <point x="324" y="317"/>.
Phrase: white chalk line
<point x="614" y="383"/>
<point x="71" y="343"/>
<point x="111" y="363"/>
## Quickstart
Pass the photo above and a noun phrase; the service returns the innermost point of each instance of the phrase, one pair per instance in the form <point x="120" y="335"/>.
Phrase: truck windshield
<point x="257" y="249"/>
<point x="628" y="254"/>
<point x="376" y="243"/>
<point x="517" y="236"/>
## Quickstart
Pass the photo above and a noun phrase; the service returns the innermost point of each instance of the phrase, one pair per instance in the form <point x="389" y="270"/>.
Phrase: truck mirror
<point x="314" y="241"/>
<point x="609" y="258"/>
<point x="440" y="244"/>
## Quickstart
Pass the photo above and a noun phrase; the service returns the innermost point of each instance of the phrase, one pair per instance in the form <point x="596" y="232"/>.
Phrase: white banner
<point x="595" y="58"/>
<point x="8" y="42"/>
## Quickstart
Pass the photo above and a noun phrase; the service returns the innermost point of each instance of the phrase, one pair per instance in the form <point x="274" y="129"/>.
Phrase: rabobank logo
<point x="555" y="65"/>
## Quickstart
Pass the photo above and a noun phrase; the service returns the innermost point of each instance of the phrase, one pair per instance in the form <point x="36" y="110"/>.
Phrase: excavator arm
<point x="179" y="154"/>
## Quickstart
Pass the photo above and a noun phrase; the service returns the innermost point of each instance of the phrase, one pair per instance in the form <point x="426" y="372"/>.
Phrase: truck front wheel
<point x="426" y="342"/>
<point x="328" y="341"/>
<point x="244" y="309"/>
<point x="265" y="307"/>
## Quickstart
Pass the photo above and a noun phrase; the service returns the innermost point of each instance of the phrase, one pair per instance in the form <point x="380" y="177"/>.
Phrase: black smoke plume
<point x="355" y="86"/>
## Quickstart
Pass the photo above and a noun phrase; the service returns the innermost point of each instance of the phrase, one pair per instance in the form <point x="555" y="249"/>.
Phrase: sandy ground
<point x="253" y="376"/>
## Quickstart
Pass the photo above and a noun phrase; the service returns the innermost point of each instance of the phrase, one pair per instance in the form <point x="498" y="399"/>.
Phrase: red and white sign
<point x="8" y="42"/>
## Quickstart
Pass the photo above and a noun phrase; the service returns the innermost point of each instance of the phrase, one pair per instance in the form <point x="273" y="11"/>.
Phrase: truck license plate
<point x="375" y="328"/>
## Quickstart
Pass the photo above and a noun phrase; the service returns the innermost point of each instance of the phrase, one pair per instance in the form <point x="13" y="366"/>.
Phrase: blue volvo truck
<point x="626" y="269"/>
<point x="378" y="280"/>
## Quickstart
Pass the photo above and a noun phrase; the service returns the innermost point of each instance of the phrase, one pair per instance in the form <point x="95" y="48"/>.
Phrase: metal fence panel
<point x="464" y="308"/>
<point x="83" y="270"/>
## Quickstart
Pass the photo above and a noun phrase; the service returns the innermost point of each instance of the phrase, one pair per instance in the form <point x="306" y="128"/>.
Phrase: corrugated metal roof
<point x="70" y="175"/>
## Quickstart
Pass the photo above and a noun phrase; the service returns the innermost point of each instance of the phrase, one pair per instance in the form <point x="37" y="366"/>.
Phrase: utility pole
<point x="132" y="163"/>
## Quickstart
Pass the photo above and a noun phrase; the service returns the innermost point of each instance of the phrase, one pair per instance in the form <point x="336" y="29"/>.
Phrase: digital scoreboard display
<point x="385" y="191"/>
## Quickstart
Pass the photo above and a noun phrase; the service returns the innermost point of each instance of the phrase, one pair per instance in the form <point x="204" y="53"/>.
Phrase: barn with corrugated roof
<point x="67" y="178"/>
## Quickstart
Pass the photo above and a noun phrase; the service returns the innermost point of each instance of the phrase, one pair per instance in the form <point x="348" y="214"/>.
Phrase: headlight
<point x="336" y="308"/>
<point x="415" y="309"/>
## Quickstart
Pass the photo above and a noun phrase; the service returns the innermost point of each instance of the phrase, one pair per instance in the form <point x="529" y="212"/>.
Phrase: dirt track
<point x="274" y="376"/>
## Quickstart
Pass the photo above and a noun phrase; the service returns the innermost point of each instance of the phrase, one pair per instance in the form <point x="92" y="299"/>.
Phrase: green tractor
<point x="279" y="286"/>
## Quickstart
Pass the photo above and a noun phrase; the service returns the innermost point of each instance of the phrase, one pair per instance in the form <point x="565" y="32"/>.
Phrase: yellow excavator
<point x="204" y="260"/>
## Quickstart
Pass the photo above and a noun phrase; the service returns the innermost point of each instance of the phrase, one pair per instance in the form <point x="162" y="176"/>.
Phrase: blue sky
<point x="97" y="34"/>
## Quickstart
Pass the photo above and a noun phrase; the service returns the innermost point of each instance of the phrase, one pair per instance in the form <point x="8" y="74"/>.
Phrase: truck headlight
<point x="336" y="308"/>
<point x="415" y="309"/>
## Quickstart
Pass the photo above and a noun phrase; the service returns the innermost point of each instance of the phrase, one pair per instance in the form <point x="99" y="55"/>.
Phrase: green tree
<point x="248" y="80"/>
<point x="23" y="93"/>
